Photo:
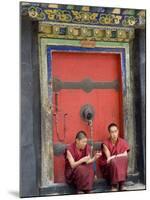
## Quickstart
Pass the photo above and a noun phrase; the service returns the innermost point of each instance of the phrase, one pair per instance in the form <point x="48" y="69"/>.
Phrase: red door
<point x="80" y="79"/>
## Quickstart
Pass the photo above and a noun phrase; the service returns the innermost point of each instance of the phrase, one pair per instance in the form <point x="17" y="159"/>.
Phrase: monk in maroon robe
<point x="114" y="159"/>
<point x="78" y="164"/>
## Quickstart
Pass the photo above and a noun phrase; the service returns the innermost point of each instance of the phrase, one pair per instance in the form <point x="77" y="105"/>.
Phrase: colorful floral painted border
<point x="84" y="14"/>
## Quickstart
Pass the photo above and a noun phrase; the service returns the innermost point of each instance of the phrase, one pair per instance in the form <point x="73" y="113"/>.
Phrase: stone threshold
<point x="100" y="186"/>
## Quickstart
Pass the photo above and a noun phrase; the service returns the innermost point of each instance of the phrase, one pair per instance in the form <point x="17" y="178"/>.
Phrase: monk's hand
<point x="85" y="158"/>
<point x="97" y="155"/>
<point x="110" y="158"/>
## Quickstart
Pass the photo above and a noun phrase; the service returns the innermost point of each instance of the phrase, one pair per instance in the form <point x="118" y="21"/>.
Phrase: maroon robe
<point x="82" y="176"/>
<point x="116" y="170"/>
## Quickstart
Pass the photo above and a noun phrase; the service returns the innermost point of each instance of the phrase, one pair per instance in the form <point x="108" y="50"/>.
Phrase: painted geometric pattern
<point x="86" y="33"/>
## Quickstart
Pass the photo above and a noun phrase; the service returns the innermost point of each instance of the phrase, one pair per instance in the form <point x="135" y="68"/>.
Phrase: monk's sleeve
<point x="125" y="146"/>
<point x="70" y="149"/>
<point x="106" y="143"/>
<point x="65" y="152"/>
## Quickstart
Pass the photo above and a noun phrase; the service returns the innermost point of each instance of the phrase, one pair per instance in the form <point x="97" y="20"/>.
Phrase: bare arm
<point x="122" y="154"/>
<point x="74" y="163"/>
<point x="108" y="155"/>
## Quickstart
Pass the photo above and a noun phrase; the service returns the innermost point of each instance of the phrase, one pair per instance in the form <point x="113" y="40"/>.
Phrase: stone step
<point x="100" y="186"/>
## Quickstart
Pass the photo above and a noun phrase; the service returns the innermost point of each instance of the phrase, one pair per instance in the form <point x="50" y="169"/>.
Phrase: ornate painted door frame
<point x="46" y="46"/>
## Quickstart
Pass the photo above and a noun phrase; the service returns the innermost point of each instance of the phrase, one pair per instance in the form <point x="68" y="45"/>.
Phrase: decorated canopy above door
<point x="85" y="22"/>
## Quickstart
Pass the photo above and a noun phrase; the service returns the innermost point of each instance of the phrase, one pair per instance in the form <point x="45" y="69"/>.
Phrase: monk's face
<point x="114" y="132"/>
<point x="81" y="143"/>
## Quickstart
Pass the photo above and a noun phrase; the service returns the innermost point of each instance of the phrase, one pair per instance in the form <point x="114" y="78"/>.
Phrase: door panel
<point x="84" y="71"/>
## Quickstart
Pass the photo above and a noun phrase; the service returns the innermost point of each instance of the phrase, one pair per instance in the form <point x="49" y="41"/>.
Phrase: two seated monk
<point x="113" y="161"/>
